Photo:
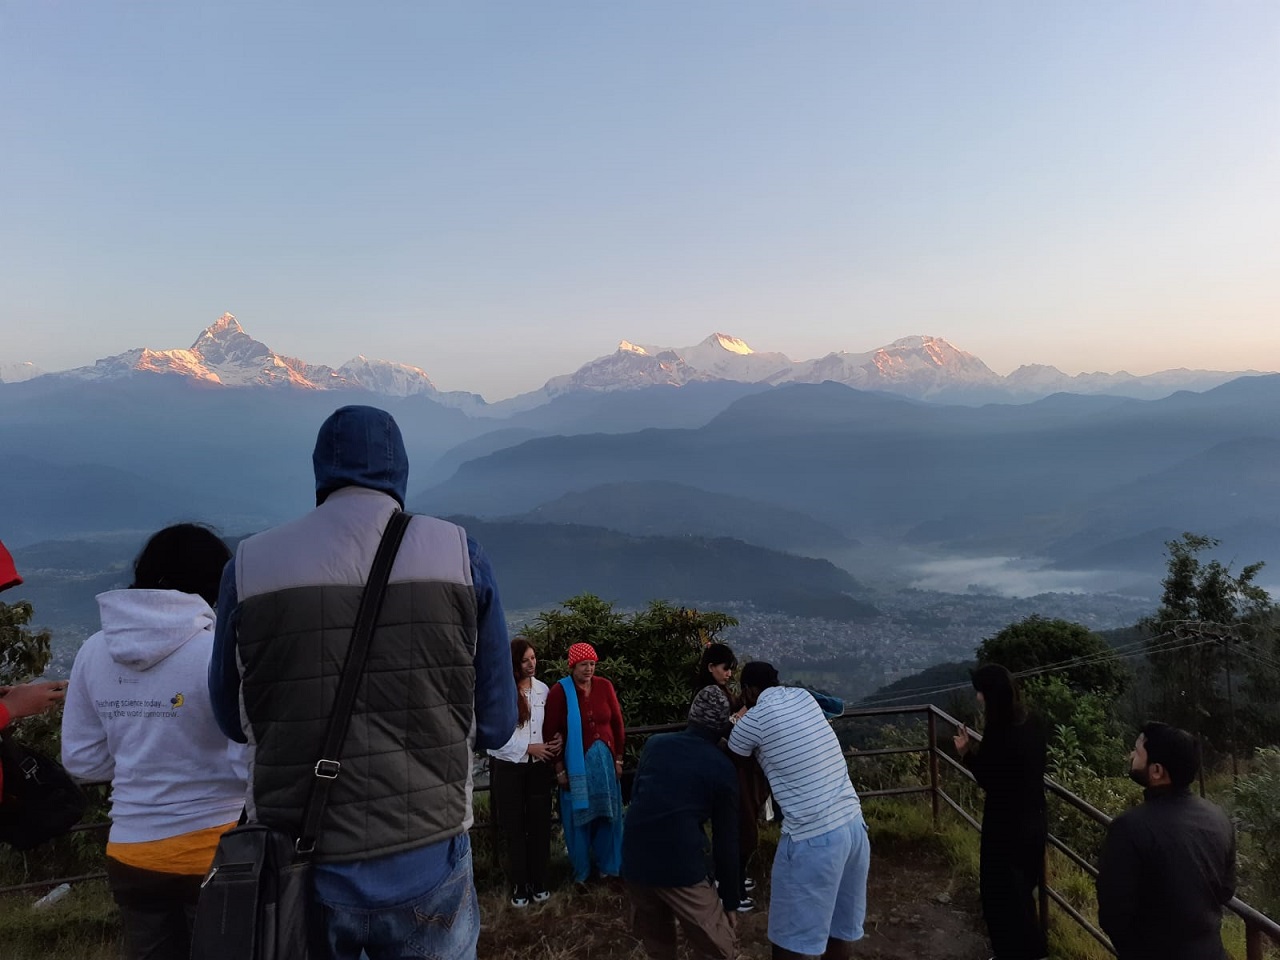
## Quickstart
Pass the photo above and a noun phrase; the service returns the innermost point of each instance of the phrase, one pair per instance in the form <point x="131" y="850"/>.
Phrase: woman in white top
<point x="520" y="784"/>
<point x="138" y="714"/>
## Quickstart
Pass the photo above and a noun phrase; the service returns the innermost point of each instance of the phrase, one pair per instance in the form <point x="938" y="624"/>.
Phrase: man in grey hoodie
<point x="393" y="859"/>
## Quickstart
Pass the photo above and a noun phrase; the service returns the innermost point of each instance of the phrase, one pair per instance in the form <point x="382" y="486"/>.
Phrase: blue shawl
<point x="575" y="763"/>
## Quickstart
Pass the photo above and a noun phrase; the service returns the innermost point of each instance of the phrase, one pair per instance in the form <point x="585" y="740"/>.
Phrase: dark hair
<point x="1000" y="694"/>
<point x="715" y="654"/>
<point x="520" y="645"/>
<point x="759" y="675"/>
<point x="1174" y="749"/>
<point x="187" y="557"/>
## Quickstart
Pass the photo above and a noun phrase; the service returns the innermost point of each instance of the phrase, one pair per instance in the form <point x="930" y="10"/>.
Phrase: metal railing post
<point x="933" y="764"/>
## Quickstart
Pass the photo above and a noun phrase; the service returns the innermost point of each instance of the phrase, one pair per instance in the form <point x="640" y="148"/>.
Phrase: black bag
<point x="256" y="900"/>
<point x="40" y="800"/>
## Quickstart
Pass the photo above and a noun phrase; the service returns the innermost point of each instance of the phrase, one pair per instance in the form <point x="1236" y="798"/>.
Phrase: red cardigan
<point x="601" y="716"/>
<point x="4" y="722"/>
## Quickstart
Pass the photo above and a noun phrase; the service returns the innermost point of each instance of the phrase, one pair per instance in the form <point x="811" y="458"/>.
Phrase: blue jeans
<point x="443" y="924"/>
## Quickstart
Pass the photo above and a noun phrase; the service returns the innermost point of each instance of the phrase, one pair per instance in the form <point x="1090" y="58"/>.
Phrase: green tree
<point x="650" y="656"/>
<point x="24" y="656"/>
<point x="1205" y="613"/>
<point x="1084" y="720"/>
<point x="1072" y="679"/>
<point x="1071" y="651"/>
<point x="24" y="653"/>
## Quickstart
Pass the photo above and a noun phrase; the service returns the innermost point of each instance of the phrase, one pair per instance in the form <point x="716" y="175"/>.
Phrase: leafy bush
<point x="1112" y="795"/>
<point x="651" y="656"/>
<point x="1083" y="715"/>
<point x="1256" y="804"/>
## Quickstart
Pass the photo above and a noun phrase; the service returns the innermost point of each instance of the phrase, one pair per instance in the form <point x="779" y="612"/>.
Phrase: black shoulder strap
<point x="328" y="767"/>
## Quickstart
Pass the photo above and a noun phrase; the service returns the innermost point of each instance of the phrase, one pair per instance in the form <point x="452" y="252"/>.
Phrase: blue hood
<point x="360" y="447"/>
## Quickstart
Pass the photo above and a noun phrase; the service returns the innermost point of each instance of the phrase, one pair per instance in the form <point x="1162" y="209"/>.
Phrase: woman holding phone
<point x="1009" y="767"/>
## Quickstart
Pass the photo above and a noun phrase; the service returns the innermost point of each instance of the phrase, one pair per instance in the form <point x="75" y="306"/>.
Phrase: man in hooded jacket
<point x="393" y="858"/>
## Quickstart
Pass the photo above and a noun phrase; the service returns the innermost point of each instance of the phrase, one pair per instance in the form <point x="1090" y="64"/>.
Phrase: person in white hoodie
<point x="137" y="713"/>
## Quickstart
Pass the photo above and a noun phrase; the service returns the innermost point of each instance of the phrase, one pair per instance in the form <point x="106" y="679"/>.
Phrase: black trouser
<point x="521" y="795"/>
<point x="1012" y="866"/>
<point x="753" y="788"/>
<point x="157" y="910"/>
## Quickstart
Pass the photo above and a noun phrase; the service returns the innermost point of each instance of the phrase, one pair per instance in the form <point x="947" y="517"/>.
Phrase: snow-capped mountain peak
<point x="626" y="346"/>
<point x="225" y="326"/>
<point x="18" y="372"/>
<point x="386" y="377"/>
<point x="726" y="342"/>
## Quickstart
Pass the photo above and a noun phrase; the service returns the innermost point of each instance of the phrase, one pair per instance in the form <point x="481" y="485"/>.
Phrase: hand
<point x="617" y="769"/>
<point x="739" y="715"/>
<point x="29" y="699"/>
<point x="539" y="751"/>
<point x="562" y="778"/>
<point x="554" y="746"/>
<point x="961" y="740"/>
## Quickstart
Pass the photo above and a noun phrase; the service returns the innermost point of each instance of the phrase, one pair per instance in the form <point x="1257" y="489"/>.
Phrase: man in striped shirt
<point x="819" y="882"/>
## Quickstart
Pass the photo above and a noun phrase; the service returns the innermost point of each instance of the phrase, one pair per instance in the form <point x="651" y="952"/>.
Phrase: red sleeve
<point x="617" y="723"/>
<point x="555" y="719"/>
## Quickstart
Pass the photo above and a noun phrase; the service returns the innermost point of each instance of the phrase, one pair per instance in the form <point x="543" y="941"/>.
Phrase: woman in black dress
<point x="1009" y="767"/>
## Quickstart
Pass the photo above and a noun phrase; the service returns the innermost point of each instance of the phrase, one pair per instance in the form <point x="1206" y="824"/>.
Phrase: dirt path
<point x="914" y="913"/>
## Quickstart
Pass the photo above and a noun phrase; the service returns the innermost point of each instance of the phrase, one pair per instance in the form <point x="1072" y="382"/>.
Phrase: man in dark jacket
<point x="393" y="858"/>
<point x="683" y="781"/>
<point x="1169" y="865"/>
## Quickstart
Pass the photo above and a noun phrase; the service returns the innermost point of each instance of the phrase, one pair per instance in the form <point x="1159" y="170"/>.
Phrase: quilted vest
<point x="405" y="779"/>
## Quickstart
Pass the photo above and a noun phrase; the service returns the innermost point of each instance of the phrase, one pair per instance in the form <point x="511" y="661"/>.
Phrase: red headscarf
<point x="580" y="652"/>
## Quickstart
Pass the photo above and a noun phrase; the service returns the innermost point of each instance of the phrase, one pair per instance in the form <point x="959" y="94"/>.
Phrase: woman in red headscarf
<point x="583" y="710"/>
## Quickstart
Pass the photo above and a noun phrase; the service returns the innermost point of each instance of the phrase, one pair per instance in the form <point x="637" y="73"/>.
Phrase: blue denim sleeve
<point x="495" y="685"/>
<point x="224" y="675"/>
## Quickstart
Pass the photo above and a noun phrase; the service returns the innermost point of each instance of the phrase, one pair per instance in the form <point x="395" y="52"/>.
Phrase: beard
<point x="1141" y="776"/>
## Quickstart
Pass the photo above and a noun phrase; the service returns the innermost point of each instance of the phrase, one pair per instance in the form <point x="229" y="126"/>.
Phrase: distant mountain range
<point x="18" y="372"/>
<point x="225" y="355"/>
<point x="222" y="431"/>
<point x="1071" y="479"/>
<point x="921" y="367"/>
<point x="661" y="508"/>
<point x="538" y="566"/>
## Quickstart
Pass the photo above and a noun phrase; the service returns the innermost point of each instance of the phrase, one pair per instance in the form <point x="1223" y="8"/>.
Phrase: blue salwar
<point x="597" y="830"/>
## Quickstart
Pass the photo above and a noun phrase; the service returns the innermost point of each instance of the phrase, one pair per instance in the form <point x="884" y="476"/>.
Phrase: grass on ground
<point x="591" y="924"/>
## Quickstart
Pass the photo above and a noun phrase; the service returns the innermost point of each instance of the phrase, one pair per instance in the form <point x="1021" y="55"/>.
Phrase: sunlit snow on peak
<point x="732" y="344"/>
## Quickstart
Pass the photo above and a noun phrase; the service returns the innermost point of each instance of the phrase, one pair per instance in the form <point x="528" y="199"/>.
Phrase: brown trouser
<point x="655" y="911"/>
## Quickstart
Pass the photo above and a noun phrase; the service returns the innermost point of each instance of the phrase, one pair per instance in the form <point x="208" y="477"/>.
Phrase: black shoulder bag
<point x="40" y="799"/>
<point x="255" y="902"/>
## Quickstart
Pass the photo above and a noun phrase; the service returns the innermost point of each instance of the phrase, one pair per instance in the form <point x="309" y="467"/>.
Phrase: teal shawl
<point x="575" y="763"/>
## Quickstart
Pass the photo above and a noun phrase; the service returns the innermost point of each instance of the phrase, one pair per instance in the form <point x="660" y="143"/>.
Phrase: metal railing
<point x="1258" y="927"/>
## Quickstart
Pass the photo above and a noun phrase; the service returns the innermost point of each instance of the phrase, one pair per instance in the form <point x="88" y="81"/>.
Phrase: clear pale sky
<point x="499" y="192"/>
